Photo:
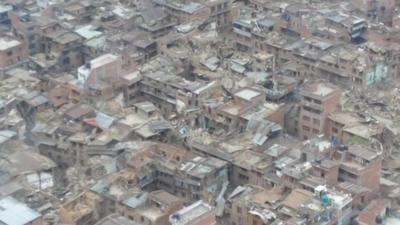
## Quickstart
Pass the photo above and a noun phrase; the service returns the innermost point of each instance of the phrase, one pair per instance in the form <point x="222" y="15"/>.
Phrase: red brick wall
<point x="18" y="54"/>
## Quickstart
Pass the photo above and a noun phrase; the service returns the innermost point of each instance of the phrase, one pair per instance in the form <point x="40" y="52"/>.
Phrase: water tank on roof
<point x="326" y="200"/>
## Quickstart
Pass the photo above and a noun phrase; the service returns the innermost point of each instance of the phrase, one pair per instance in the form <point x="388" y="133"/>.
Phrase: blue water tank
<point x="326" y="200"/>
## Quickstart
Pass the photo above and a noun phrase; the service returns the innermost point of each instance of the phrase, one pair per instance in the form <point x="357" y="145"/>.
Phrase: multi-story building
<point x="156" y="22"/>
<point x="169" y="92"/>
<point x="31" y="29"/>
<point x="378" y="211"/>
<point x="62" y="51"/>
<point x="338" y="121"/>
<point x="101" y="75"/>
<point x="209" y="11"/>
<point x="252" y="205"/>
<point x="220" y="11"/>
<point x="81" y="11"/>
<point x="335" y="207"/>
<point x="321" y="206"/>
<point x="360" y="165"/>
<point x="4" y="10"/>
<point x="80" y="210"/>
<point x="12" y="52"/>
<point x="115" y="219"/>
<point x="154" y="209"/>
<point x="171" y="169"/>
<point x="195" y="179"/>
<point x="318" y="101"/>
<point x="353" y="26"/>
<point x="379" y="11"/>
<point x="295" y="18"/>
<point x="198" y="213"/>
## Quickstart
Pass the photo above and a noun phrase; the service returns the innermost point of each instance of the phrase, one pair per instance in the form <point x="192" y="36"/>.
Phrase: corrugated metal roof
<point x="13" y="212"/>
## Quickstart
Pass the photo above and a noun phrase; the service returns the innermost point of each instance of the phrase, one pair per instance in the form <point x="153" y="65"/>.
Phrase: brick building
<point x="155" y="210"/>
<point x="318" y="100"/>
<point x="360" y="165"/>
<point x="198" y="213"/>
<point x="12" y="52"/>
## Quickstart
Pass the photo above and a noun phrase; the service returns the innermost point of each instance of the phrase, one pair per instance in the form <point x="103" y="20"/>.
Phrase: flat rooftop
<point x="115" y="219"/>
<point x="6" y="43"/>
<point x="190" y="213"/>
<point x="233" y="108"/>
<point x="247" y="94"/>
<point x="13" y="212"/>
<point x="103" y="60"/>
<point x="363" y="152"/>
<point x="319" y="89"/>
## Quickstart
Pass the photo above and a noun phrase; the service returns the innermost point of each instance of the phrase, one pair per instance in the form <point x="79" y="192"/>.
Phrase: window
<point x="238" y="209"/>
<point x="306" y="118"/>
<point x="243" y="177"/>
<point x="31" y="38"/>
<point x="334" y="130"/>
<point x="308" y="99"/>
<point x="305" y="128"/>
<point x="66" y="61"/>
<point x="315" y="131"/>
<point x="316" y="121"/>
<point x="9" y="53"/>
<point x="308" y="109"/>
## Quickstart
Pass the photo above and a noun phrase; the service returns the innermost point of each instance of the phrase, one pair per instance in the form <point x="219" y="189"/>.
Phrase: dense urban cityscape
<point x="199" y="112"/>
